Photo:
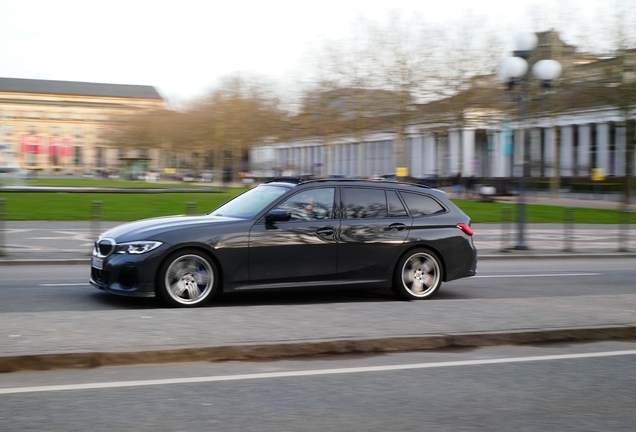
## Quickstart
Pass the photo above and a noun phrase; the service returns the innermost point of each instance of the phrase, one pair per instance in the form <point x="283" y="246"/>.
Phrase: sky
<point x="184" y="47"/>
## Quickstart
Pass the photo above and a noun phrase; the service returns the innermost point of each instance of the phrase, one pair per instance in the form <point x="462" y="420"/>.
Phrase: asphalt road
<point x="45" y="288"/>
<point x="577" y="387"/>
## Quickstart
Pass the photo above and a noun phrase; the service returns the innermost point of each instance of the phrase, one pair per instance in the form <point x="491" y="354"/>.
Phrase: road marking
<point x="64" y="284"/>
<point x="270" y="375"/>
<point x="538" y="275"/>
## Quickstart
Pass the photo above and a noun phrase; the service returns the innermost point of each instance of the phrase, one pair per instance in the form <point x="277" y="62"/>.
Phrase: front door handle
<point x="325" y="232"/>
<point x="397" y="227"/>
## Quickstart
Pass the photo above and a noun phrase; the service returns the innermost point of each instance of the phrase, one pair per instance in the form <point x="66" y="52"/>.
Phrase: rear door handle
<point x="397" y="227"/>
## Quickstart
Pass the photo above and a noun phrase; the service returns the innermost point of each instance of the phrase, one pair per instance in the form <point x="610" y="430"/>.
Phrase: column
<point x="507" y="150"/>
<point x="621" y="150"/>
<point x="468" y="147"/>
<point x="518" y="153"/>
<point x="497" y="156"/>
<point x="416" y="159"/>
<point x="441" y="149"/>
<point x="430" y="156"/>
<point x="549" y="155"/>
<point x="535" y="152"/>
<point x="583" y="161"/>
<point x="453" y="144"/>
<point x="361" y="166"/>
<point x="327" y="166"/>
<point x="390" y="154"/>
<point x="566" y="151"/>
<point x="602" y="147"/>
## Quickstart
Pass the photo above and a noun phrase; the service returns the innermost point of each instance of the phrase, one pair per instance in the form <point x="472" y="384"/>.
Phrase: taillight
<point x="464" y="227"/>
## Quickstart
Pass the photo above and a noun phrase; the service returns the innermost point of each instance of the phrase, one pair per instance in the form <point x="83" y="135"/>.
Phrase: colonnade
<point x="484" y="152"/>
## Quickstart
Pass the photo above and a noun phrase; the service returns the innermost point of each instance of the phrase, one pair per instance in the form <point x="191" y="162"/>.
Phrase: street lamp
<point x="513" y="72"/>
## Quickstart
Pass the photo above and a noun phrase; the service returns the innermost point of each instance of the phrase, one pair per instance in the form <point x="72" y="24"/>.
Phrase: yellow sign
<point x="169" y="170"/>
<point x="401" y="171"/>
<point x="598" y="174"/>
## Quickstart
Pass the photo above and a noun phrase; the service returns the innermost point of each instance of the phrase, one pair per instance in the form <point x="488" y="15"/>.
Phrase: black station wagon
<point x="282" y="234"/>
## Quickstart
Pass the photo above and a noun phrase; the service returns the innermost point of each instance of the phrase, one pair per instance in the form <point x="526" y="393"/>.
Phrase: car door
<point x="303" y="249"/>
<point x="373" y="231"/>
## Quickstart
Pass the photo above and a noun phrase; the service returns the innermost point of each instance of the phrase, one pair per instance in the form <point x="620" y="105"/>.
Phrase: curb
<point x="311" y="348"/>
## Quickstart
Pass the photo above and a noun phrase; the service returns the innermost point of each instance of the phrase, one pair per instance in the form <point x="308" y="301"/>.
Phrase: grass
<point x="114" y="206"/>
<point x="70" y="182"/>
<point x="492" y="212"/>
<point x="133" y="206"/>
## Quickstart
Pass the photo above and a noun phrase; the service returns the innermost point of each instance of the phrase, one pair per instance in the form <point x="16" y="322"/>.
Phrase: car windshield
<point x="248" y="204"/>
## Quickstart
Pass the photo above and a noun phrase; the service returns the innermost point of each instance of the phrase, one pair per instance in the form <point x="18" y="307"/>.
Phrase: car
<point x="293" y="234"/>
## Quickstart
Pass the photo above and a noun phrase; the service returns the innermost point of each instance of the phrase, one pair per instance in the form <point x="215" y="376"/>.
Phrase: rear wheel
<point x="418" y="275"/>
<point x="188" y="278"/>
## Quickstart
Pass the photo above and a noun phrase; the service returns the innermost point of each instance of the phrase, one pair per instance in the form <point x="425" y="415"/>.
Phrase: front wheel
<point x="418" y="275"/>
<point x="188" y="278"/>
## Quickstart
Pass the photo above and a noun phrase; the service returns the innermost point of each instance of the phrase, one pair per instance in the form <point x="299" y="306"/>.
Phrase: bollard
<point x="2" y="218"/>
<point x="191" y="208"/>
<point x="568" y="229"/>
<point x="506" y="213"/>
<point x="623" y="230"/>
<point x="96" y="217"/>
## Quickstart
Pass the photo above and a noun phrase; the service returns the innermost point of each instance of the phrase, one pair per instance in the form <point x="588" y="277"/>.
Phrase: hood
<point x="149" y="229"/>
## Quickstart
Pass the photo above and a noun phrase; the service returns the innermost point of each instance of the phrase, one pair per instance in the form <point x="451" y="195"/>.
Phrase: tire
<point x="188" y="278"/>
<point x="418" y="275"/>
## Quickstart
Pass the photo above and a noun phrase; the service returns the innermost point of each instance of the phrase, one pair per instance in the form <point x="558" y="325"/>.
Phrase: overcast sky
<point x="183" y="47"/>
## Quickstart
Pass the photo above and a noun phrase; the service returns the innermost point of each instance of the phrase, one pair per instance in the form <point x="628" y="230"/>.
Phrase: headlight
<point x="136" y="248"/>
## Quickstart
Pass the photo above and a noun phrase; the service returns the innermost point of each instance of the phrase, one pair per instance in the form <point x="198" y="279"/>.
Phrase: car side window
<point x="363" y="203"/>
<point x="421" y="205"/>
<point x="396" y="208"/>
<point x="312" y="204"/>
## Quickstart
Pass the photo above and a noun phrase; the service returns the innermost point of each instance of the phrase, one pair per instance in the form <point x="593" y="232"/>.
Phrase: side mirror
<point x="278" y="215"/>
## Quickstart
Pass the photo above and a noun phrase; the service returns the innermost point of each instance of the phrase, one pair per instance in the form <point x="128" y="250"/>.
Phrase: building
<point x="65" y="125"/>
<point x="574" y="130"/>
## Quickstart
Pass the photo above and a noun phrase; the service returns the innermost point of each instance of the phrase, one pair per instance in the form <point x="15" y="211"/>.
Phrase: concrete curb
<point x="278" y="350"/>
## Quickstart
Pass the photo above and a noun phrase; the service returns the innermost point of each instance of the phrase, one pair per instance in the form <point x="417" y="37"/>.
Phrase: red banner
<point x="37" y="146"/>
<point x="24" y="143"/>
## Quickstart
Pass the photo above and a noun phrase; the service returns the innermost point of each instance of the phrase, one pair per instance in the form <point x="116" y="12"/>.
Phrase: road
<point x="577" y="387"/>
<point x="65" y="288"/>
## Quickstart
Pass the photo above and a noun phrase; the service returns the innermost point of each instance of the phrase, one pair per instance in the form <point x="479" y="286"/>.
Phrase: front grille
<point x="105" y="247"/>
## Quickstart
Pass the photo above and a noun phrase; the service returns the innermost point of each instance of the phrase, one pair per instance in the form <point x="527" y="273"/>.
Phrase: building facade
<point x="66" y="126"/>
<point x="574" y="130"/>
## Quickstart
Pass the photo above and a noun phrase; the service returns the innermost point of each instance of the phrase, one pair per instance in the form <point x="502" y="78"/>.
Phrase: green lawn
<point x="132" y="206"/>
<point x="114" y="206"/>
<point x="90" y="182"/>
<point x="484" y="212"/>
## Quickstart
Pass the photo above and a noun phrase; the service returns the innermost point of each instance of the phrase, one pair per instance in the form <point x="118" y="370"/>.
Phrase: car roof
<point x="292" y="182"/>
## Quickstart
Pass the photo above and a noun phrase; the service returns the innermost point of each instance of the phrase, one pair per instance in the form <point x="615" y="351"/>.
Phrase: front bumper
<point x="127" y="275"/>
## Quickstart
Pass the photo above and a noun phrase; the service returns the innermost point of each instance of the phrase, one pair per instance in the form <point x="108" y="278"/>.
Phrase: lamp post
<point x="513" y="72"/>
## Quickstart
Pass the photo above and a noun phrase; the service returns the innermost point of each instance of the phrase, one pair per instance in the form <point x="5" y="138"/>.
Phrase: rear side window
<point x="396" y="208"/>
<point x="363" y="203"/>
<point x="421" y="205"/>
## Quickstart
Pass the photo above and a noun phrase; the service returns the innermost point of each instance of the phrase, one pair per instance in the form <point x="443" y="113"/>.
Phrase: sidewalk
<point x="70" y="339"/>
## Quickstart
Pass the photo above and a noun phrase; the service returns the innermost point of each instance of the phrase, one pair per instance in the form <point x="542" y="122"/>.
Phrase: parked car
<point x="281" y="234"/>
